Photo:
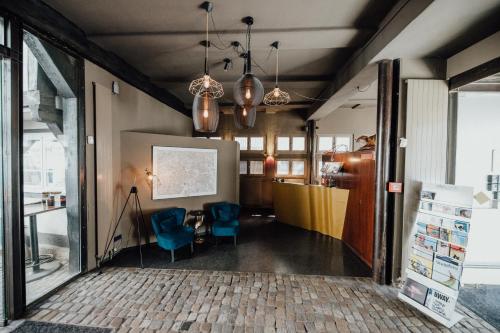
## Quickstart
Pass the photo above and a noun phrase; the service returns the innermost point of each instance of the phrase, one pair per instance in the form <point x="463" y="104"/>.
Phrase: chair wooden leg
<point x="172" y="255"/>
<point x="234" y="240"/>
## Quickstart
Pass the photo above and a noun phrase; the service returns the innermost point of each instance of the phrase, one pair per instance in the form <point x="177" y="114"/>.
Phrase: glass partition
<point x="50" y="166"/>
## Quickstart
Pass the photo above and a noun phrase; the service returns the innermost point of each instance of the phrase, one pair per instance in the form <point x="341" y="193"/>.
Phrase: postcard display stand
<point x="437" y="251"/>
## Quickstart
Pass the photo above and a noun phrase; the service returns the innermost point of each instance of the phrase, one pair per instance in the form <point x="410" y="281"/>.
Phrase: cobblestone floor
<point x="160" y="300"/>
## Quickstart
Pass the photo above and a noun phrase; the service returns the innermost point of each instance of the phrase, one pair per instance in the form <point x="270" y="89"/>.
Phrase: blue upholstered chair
<point x="225" y="220"/>
<point x="171" y="234"/>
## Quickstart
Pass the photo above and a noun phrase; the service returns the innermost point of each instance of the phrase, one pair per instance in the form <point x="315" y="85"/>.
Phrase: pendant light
<point x="205" y="113"/>
<point x="248" y="90"/>
<point x="206" y="90"/>
<point x="276" y="96"/>
<point x="206" y="84"/>
<point x="244" y="116"/>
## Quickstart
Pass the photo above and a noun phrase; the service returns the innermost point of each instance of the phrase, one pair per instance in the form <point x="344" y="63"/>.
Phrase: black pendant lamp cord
<point x="277" y="64"/>
<point x="249" y="57"/>
<point x="207" y="45"/>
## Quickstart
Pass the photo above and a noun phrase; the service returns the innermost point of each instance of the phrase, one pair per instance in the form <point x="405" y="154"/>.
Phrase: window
<point x="298" y="143"/>
<point x="257" y="143"/>
<point x="340" y="142"/>
<point x="243" y="141"/>
<point x="325" y="143"/>
<point x="256" y="167"/>
<point x="283" y="143"/>
<point x="343" y="143"/>
<point x="243" y="167"/>
<point x="298" y="168"/>
<point x="282" y="168"/>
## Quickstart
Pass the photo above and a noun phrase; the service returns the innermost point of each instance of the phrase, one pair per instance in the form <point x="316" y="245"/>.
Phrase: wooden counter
<point x="311" y="207"/>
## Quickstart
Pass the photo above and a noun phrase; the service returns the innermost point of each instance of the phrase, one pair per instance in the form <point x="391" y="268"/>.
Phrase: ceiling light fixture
<point x="244" y="116"/>
<point x="276" y="96"/>
<point x="248" y="90"/>
<point x="206" y="84"/>
<point x="205" y="113"/>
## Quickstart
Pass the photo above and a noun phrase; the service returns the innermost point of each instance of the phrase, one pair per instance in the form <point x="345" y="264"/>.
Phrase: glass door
<point x="51" y="169"/>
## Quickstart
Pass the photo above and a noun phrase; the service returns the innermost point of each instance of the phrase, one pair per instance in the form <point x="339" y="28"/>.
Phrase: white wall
<point x="357" y="122"/>
<point x="132" y="109"/>
<point x="478" y="125"/>
<point x="425" y="155"/>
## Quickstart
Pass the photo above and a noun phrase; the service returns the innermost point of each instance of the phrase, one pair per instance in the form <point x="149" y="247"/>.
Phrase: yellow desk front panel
<point x="311" y="207"/>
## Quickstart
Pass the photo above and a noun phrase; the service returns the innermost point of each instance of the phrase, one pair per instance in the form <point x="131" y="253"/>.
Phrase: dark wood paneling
<point x="358" y="177"/>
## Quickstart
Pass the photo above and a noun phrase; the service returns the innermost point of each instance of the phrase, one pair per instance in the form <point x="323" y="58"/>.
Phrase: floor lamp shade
<point x="248" y="90"/>
<point x="205" y="113"/>
<point x="244" y="116"/>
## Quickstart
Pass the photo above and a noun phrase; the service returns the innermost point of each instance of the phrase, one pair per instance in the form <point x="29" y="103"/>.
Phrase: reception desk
<point x="311" y="207"/>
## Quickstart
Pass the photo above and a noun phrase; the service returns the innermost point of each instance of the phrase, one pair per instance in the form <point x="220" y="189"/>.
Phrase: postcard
<point x="463" y="212"/>
<point x="421" y="228"/>
<point x="427" y="243"/>
<point x="459" y="238"/>
<point x="443" y="248"/>
<point x="440" y="303"/>
<point x="457" y="252"/>
<point x="421" y="265"/>
<point x="427" y="195"/>
<point x="432" y="231"/>
<point x="415" y="290"/>
<point x="446" y="271"/>
<point x="461" y="226"/>
<point x="445" y="234"/>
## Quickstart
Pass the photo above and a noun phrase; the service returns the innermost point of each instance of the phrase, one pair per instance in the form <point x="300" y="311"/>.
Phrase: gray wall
<point x="136" y="157"/>
<point x="132" y="109"/>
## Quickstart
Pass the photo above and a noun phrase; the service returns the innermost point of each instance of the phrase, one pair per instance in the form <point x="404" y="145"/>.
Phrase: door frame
<point x="15" y="286"/>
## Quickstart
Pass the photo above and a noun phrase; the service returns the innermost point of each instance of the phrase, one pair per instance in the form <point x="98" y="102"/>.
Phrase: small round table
<point x="197" y="222"/>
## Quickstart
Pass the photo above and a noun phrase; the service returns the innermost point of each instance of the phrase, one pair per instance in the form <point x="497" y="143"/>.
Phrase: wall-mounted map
<point x="184" y="172"/>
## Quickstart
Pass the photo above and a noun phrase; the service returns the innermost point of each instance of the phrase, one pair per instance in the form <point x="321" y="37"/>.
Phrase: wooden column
<point x="385" y="159"/>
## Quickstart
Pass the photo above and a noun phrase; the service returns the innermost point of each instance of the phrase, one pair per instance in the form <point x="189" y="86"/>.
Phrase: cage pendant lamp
<point x="276" y="96"/>
<point x="205" y="113"/>
<point x="206" y="84"/>
<point x="248" y="90"/>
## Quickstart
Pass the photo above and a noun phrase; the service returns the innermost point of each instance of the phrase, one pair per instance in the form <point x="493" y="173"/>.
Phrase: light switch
<point x="90" y="139"/>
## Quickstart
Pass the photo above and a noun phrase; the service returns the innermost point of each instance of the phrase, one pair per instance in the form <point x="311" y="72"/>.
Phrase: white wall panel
<point x="426" y="132"/>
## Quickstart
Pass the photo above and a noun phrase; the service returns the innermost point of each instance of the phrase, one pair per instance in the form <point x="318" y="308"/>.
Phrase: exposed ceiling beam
<point x="361" y="63"/>
<point x="58" y="28"/>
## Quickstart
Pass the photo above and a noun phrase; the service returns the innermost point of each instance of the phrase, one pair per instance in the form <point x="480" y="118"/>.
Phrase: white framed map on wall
<point x="183" y="172"/>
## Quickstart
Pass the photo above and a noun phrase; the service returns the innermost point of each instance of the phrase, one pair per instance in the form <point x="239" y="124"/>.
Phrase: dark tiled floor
<point x="484" y="300"/>
<point x="263" y="246"/>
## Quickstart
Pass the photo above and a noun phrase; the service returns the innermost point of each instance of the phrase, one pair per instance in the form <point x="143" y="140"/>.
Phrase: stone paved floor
<point x="160" y="300"/>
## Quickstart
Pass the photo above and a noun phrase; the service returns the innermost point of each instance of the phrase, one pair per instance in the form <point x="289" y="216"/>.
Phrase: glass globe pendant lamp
<point x="244" y="116"/>
<point x="248" y="90"/>
<point x="205" y="113"/>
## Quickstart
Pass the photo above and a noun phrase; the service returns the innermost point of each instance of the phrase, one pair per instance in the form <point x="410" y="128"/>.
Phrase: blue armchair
<point x="170" y="232"/>
<point x="225" y="220"/>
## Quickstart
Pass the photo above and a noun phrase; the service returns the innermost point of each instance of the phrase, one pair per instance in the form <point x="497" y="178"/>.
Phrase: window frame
<point x="290" y="175"/>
